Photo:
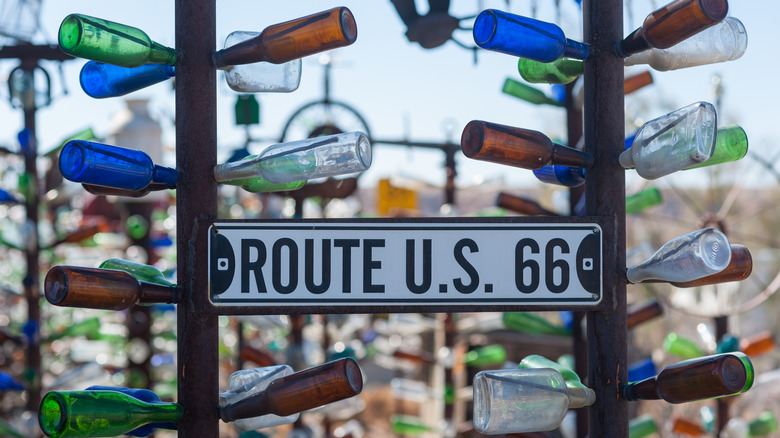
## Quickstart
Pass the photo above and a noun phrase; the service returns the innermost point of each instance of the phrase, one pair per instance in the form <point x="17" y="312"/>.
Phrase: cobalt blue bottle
<point x="144" y="395"/>
<point x="561" y="175"/>
<point x="100" y="80"/>
<point x="525" y="37"/>
<point x="112" y="166"/>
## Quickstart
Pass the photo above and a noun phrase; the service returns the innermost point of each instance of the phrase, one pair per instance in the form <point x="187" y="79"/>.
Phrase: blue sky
<point x="404" y="91"/>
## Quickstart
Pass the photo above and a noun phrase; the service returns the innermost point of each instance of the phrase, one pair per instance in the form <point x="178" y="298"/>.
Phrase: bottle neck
<point x="635" y="42"/>
<point x="160" y="54"/>
<point x="580" y="396"/>
<point x="165" y="176"/>
<point x="576" y="49"/>
<point x="152" y="293"/>
<point x="643" y="390"/>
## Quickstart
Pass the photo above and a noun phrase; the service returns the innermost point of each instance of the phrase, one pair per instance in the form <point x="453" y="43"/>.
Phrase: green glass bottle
<point x="731" y="144"/>
<point x="141" y="272"/>
<point x="408" y="425"/>
<point x="560" y="71"/>
<point x="682" y="347"/>
<point x="488" y="355"/>
<point x="532" y="324"/>
<point x="7" y="430"/>
<point x="537" y="361"/>
<point x="527" y="93"/>
<point x="113" y="43"/>
<point x="642" y="426"/>
<point x="87" y="327"/>
<point x="765" y="424"/>
<point x="100" y="413"/>
<point x="642" y="200"/>
<point x="260" y="185"/>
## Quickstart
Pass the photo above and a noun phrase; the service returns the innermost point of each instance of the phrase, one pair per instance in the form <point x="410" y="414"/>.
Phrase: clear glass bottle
<point x="689" y="257"/>
<point x="517" y="147"/>
<point x="725" y="41"/>
<point x="113" y="43"/>
<point x="100" y="413"/>
<point x="261" y="76"/>
<point x="112" y="166"/>
<point x="293" y="39"/>
<point x="100" y="80"/>
<point x="302" y="160"/>
<point x="528" y="93"/>
<point x="525" y="37"/>
<point x="261" y="185"/>
<point x="673" y="23"/>
<point x="109" y="289"/>
<point x="524" y="400"/>
<point x="246" y="383"/>
<point x="673" y="142"/>
<point x="560" y="71"/>
<point x="738" y="269"/>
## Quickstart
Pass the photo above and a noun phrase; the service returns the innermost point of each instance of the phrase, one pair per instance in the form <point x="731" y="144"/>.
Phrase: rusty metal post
<point x="605" y="196"/>
<point x="196" y="207"/>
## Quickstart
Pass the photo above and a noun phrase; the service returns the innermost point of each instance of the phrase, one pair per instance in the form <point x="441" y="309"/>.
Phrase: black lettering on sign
<point x="525" y="267"/>
<point x="468" y="267"/>
<point x="411" y="267"/>
<point x="256" y="267"/>
<point x="551" y="265"/>
<point x="346" y="246"/>
<point x="292" y="262"/>
<point x="369" y="264"/>
<point x="309" y="269"/>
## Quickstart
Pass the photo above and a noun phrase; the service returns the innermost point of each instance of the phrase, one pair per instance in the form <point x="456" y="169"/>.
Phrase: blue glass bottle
<point x="525" y="37"/>
<point x="143" y="395"/>
<point x="100" y="80"/>
<point x="112" y="166"/>
<point x="561" y="175"/>
<point x="7" y="198"/>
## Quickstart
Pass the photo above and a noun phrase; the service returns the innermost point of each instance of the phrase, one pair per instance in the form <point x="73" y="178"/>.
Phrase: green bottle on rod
<point x="113" y="43"/>
<point x="731" y="144"/>
<point x="528" y="93"/>
<point x="560" y="71"/>
<point x="100" y="413"/>
<point x="141" y="272"/>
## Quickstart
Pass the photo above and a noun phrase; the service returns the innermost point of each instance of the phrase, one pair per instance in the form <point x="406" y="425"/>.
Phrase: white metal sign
<point x="404" y="264"/>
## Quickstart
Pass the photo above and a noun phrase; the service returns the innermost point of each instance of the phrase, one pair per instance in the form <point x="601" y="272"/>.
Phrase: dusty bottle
<point x="686" y="258"/>
<point x="703" y="378"/>
<point x="113" y="43"/>
<point x="302" y="160"/>
<point x="293" y="39"/>
<point x="525" y="37"/>
<point x="738" y="269"/>
<point x="673" y="142"/>
<point x="109" y="289"/>
<point x="725" y="41"/>
<point x="101" y="80"/>
<point x="141" y="272"/>
<point x="287" y="396"/>
<point x="524" y="400"/>
<point x="522" y="205"/>
<point x="560" y="71"/>
<point x="100" y="413"/>
<point x="112" y="166"/>
<point x="261" y="76"/>
<point x="673" y="23"/>
<point x="517" y="147"/>
<point x="528" y="93"/>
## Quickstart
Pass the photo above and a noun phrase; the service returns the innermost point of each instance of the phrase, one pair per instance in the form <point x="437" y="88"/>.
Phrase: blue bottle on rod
<point x="100" y="80"/>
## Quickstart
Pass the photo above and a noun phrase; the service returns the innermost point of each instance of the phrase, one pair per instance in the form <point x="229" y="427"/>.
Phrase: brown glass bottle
<point x="81" y="233"/>
<point x="637" y="81"/>
<point x="641" y="312"/>
<point x="517" y="147"/>
<point x="293" y="39"/>
<point x="109" y="289"/>
<point x="419" y="357"/>
<point x="260" y="357"/>
<point x="110" y="191"/>
<point x="757" y="344"/>
<point x="297" y="392"/>
<point x="522" y="205"/>
<point x="686" y="427"/>
<point x="673" y="23"/>
<point x="738" y="269"/>
<point x="703" y="378"/>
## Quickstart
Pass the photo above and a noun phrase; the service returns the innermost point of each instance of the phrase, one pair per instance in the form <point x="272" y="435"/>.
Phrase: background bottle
<point x="642" y="312"/>
<point x="100" y="413"/>
<point x="528" y="93"/>
<point x="524" y="37"/>
<point x="643" y="200"/>
<point x="111" y="191"/>
<point x="642" y="426"/>
<point x="113" y="43"/>
<point x="489" y="355"/>
<point x="533" y="324"/>
<point x="293" y="39"/>
<point x="522" y="205"/>
<point x="100" y="80"/>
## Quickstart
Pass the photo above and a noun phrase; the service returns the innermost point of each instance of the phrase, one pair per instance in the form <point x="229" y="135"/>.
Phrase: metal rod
<point x="196" y="207"/>
<point x="605" y="196"/>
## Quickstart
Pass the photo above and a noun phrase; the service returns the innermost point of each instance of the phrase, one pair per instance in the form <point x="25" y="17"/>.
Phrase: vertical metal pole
<point x="196" y="207"/>
<point x="605" y="196"/>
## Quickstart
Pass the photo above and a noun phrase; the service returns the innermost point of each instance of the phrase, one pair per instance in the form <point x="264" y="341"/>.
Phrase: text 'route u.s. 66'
<point x="386" y="263"/>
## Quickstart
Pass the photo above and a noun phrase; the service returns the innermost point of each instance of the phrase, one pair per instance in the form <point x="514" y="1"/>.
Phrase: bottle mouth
<point x="53" y="414"/>
<point x="485" y="27"/>
<point x="364" y="150"/>
<point x="70" y="33"/>
<point x="714" y="9"/>
<point x="72" y="158"/>
<point x="481" y="403"/>
<point x="472" y="138"/>
<point x="55" y="285"/>
<point x="348" y="25"/>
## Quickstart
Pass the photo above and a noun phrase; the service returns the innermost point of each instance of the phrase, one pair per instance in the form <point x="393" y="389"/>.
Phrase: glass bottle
<point x="703" y="378"/>
<point x="293" y="39"/>
<point x="146" y="273"/>
<point x="9" y="431"/>
<point x="260" y="185"/>
<point x="304" y="159"/>
<point x="737" y="427"/>
<point x="560" y="71"/>
<point x="673" y="23"/>
<point x="112" y="166"/>
<point x="72" y="286"/>
<point x="525" y="37"/>
<point x="738" y="269"/>
<point x="533" y="324"/>
<point x="81" y="233"/>
<point x="255" y="400"/>
<point x="488" y="355"/>
<point x="522" y="205"/>
<point x="408" y="425"/>
<point x="7" y="198"/>
<point x="641" y="369"/>
<point x="685" y="258"/>
<point x="642" y="312"/>
<point x="100" y="80"/>
<point x="536" y="361"/>
<point x="260" y="357"/>
<point x="528" y="93"/>
<point x="757" y="344"/>
<point x="100" y="413"/>
<point x="637" y="81"/>
<point x="673" y="142"/>
<point x="725" y="41"/>
<point x="8" y="383"/>
<point x="727" y="343"/>
<point x="643" y="200"/>
<point x="113" y="43"/>
<point x="87" y="327"/>
<point x="731" y="144"/>
<point x="686" y="427"/>
<point x="524" y="400"/>
<point x="111" y="191"/>
<point x="567" y="176"/>
<point x="642" y="426"/>
<point x="144" y="395"/>
<point x="517" y="147"/>
<point x="419" y="357"/>
<point x="261" y="76"/>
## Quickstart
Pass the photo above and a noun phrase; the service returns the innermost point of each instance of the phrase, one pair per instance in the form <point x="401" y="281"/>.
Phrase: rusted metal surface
<point x="605" y="196"/>
<point x="196" y="205"/>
